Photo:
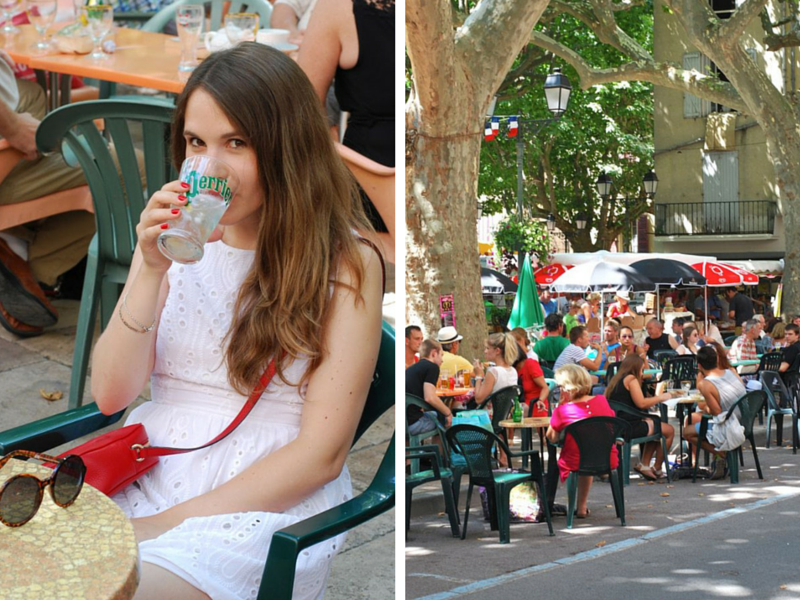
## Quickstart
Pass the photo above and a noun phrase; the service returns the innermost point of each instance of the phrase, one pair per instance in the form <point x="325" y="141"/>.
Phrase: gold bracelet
<point x="142" y="328"/>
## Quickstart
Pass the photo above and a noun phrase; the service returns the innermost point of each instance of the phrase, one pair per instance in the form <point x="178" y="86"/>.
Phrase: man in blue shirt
<point x="548" y="303"/>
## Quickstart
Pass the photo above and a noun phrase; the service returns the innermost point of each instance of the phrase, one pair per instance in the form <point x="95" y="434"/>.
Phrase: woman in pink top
<point x="576" y="404"/>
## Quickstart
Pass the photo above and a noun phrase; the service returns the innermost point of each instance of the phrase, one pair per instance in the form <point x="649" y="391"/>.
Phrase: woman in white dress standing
<point x="285" y="277"/>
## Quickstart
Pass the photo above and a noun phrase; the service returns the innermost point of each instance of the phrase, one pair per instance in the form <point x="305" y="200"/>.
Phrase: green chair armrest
<point x="287" y="543"/>
<point x="53" y="431"/>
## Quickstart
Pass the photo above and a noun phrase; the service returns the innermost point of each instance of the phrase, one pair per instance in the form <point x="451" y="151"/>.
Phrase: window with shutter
<point x="693" y="106"/>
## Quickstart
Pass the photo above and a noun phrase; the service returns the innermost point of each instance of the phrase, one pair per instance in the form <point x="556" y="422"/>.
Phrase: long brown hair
<point x="722" y="356"/>
<point x="311" y="208"/>
<point x="632" y="365"/>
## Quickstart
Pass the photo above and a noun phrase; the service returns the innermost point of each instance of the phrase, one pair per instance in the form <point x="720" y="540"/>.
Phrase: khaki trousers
<point x="57" y="243"/>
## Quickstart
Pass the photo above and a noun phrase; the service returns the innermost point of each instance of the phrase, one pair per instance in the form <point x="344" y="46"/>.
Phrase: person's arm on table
<point x="642" y="403"/>
<point x="437" y="403"/>
<point x="335" y="399"/>
<point x="594" y="365"/>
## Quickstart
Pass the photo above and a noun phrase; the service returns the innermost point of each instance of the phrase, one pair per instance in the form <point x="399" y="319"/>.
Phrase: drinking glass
<point x="189" y="20"/>
<point x="212" y="184"/>
<point x="99" y="18"/>
<point x="41" y="14"/>
<point x="78" y="5"/>
<point x="241" y="27"/>
<point x="9" y="7"/>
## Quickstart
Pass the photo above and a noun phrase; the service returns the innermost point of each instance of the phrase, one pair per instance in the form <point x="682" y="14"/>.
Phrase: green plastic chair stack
<point x="286" y="545"/>
<point x="475" y="444"/>
<point x="118" y="192"/>
<point x="779" y="403"/>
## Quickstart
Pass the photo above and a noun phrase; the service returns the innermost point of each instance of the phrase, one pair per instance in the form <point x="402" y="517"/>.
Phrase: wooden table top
<point x="85" y="551"/>
<point x="527" y="423"/>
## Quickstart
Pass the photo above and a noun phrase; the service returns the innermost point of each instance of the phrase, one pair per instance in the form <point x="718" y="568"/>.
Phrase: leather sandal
<point x="578" y="515"/>
<point x="645" y="472"/>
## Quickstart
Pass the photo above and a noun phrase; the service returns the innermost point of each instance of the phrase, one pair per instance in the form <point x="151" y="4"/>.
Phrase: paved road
<point x="747" y="552"/>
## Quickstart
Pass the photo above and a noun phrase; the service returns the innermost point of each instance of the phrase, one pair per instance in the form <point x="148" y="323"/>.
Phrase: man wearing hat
<point x="451" y="362"/>
<point x="621" y="308"/>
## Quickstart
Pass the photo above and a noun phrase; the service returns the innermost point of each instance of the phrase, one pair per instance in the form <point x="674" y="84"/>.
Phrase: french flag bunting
<point x="513" y="126"/>
<point x="495" y="126"/>
<point x="488" y="132"/>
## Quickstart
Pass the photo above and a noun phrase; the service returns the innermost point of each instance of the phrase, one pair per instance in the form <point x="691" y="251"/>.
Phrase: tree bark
<point x="455" y="74"/>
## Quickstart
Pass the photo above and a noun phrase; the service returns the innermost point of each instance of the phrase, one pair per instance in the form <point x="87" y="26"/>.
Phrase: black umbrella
<point x="665" y="271"/>
<point x="601" y="276"/>
<point x="494" y="282"/>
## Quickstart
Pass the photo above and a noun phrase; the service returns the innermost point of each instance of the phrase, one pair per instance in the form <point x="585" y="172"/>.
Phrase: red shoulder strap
<point x="262" y="384"/>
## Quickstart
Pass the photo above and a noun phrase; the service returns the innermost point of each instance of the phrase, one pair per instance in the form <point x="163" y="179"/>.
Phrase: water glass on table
<point x="189" y="20"/>
<point x="241" y="27"/>
<point x="41" y="14"/>
<point x="9" y="7"/>
<point x="212" y="185"/>
<point x="99" y="18"/>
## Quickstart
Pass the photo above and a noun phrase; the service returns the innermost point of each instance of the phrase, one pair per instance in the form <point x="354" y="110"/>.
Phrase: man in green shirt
<point x="549" y="348"/>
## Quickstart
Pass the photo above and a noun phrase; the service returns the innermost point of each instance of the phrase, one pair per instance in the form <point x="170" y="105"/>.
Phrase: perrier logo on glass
<point x="206" y="182"/>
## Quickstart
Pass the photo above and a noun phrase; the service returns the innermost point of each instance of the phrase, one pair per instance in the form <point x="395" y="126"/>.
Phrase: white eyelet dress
<point x="192" y="402"/>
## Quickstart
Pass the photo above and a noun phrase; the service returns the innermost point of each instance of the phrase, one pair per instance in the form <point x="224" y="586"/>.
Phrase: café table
<point x="88" y="550"/>
<point x="450" y="392"/>
<point x="141" y="58"/>
<point x="527" y="425"/>
<point x="683" y="405"/>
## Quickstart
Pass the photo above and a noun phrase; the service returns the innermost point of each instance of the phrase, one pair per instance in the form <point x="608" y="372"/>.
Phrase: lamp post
<point x="557" y="90"/>
<point x="605" y="186"/>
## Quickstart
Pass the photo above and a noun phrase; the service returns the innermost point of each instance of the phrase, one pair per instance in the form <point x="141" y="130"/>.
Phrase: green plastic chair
<point x="279" y="571"/>
<point x="595" y="436"/>
<point x="118" y="200"/>
<point x="476" y="444"/>
<point x="437" y="472"/>
<point x="502" y="402"/>
<point x="656" y="437"/>
<point x="749" y="406"/>
<point x="419" y="438"/>
<point x="779" y="403"/>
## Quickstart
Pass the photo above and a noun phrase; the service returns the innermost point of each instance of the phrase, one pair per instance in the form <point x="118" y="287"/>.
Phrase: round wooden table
<point x="88" y="550"/>
<point x="529" y="424"/>
<point x="449" y="393"/>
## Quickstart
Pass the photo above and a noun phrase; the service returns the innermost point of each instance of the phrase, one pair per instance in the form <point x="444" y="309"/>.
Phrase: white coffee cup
<point x="217" y="40"/>
<point x="271" y="37"/>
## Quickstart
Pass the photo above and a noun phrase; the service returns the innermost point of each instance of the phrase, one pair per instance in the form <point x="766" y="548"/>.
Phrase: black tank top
<point x="622" y="395"/>
<point x="367" y="90"/>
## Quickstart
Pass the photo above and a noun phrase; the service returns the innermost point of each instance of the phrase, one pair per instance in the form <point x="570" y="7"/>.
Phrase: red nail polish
<point x="175" y="211"/>
<point x="165" y="226"/>
<point x="181" y="197"/>
<point x="184" y="185"/>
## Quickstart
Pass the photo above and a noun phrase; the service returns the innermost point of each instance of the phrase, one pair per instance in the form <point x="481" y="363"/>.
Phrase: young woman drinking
<point x="626" y="388"/>
<point x="286" y="278"/>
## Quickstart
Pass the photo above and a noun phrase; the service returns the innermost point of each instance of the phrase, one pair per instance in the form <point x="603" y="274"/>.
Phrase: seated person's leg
<point x="425" y="424"/>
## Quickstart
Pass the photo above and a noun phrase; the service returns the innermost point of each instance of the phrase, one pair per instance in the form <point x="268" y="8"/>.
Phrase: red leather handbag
<point x="120" y="457"/>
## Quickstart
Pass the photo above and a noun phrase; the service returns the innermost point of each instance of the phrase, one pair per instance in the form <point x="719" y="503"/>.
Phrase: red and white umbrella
<point x="748" y="278"/>
<point x="722" y="275"/>
<point x="549" y="273"/>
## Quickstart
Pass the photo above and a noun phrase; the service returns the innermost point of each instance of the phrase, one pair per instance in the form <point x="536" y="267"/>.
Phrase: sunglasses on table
<point x="21" y="495"/>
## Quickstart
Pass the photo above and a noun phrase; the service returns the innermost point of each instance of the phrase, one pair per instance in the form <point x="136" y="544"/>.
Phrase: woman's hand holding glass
<point x="161" y="212"/>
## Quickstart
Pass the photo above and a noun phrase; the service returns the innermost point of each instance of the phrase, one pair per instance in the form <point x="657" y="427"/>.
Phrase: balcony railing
<point x="716" y="218"/>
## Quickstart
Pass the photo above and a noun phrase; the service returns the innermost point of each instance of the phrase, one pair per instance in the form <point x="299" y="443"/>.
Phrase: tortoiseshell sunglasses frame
<point x="42" y="484"/>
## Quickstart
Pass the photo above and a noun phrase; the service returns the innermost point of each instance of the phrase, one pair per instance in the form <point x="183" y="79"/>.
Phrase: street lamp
<point x="557" y="90"/>
<point x="551" y="223"/>
<point x="580" y="221"/>
<point x="650" y="183"/>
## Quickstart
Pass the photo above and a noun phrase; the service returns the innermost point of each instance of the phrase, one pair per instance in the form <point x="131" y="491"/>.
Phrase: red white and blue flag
<point x="513" y="126"/>
<point x="488" y="133"/>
